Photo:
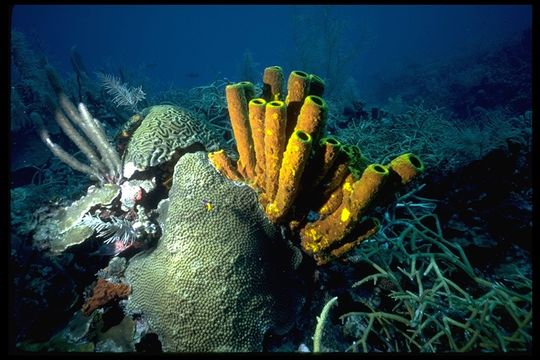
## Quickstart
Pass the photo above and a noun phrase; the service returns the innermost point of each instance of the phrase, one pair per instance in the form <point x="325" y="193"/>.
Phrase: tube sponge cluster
<point x="298" y="171"/>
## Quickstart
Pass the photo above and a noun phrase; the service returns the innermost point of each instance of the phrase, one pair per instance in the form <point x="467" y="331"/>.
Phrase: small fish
<point x="192" y="75"/>
<point x="208" y="205"/>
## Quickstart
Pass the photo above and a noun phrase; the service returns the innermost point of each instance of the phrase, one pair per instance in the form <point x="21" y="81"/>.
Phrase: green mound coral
<point x="165" y="129"/>
<point x="221" y="276"/>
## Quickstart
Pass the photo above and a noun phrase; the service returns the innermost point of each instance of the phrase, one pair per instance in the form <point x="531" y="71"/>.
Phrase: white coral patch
<point x="129" y="169"/>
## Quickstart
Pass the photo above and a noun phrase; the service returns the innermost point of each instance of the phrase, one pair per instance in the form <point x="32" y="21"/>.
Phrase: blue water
<point x="186" y="46"/>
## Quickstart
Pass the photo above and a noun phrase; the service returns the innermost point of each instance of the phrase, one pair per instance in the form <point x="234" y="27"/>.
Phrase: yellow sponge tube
<point x="312" y="117"/>
<point x="407" y="166"/>
<point x="238" y="112"/>
<point x="249" y="90"/>
<point x="297" y="87"/>
<point x="256" y="121"/>
<point x="273" y="83"/>
<point x="325" y="233"/>
<point x="297" y="90"/>
<point x="224" y="165"/>
<point x="316" y="85"/>
<point x="275" y="120"/>
<point x="294" y="162"/>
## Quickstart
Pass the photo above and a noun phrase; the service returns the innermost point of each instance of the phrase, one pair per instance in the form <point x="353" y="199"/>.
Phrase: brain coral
<point x="221" y="275"/>
<point x="164" y="129"/>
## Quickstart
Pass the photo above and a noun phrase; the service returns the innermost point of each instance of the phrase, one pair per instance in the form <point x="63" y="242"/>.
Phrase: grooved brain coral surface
<point x="165" y="129"/>
<point x="220" y="276"/>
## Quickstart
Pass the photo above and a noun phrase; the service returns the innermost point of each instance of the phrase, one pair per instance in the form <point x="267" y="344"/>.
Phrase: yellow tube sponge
<point x="312" y="117"/>
<point x="362" y="231"/>
<point x="316" y="85"/>
<point x="367" y="188"/>
<point x="337" y="173"/>
<point x="294" y="161"/>
<point x="407" y="166"/>
<point x="297" y="87"/>
<point x="275" y="120"/>
<point x="273" y="83"/>
<point x="324" y="157"/>
<point x="336" y="198"/>
<point x="249" y="90"/>
<point x="329" y="153"/>
<point x="297" y="90"/>
<point x="317" y="169"/>
<point x="256" y="121"/>
<point x="238" y="112"/>
<point x="224" y="164"/>
<point x="324" y="233"/>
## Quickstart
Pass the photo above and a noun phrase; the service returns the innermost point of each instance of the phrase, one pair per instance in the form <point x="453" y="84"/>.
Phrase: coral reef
<point x="220" y="264"/>
<point x="165" y="129"/>
<point x="104" y="293"/>
<point x="95" y="196"/>
<point x="117" y="339"/>
<point x="221" y="276"/>
<point x="298" y="160"/>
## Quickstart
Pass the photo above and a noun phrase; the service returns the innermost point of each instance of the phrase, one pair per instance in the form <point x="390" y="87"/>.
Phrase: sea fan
<point x="122" y="94"/>
<point x="115" y="230"/>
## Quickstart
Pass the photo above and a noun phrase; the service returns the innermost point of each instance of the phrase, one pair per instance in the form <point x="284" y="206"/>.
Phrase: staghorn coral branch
<point x="454" y="308"/>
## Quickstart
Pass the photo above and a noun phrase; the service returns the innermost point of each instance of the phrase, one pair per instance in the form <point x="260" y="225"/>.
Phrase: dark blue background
<point x="167" y="42"/>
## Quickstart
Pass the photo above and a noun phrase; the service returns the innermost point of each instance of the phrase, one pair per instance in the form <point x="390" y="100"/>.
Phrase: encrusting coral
<point x="297" y="171"/>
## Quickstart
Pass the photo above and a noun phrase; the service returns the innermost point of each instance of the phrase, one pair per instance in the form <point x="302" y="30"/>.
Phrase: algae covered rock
<point x="221" y="276"/>
<point x="165" y="129"/>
